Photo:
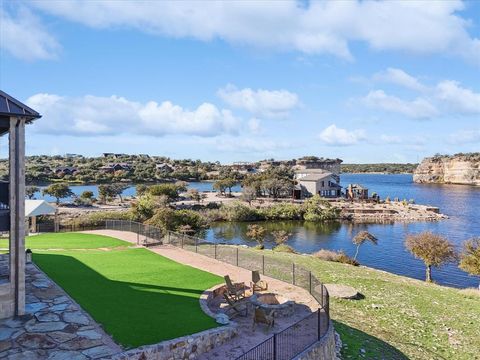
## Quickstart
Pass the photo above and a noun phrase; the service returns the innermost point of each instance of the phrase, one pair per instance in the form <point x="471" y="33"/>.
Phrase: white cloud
<point x="269" y="103"/>
<point x="312" y="28"/>
<point x="249" y="145"/>
<point x="24" y="37"/>
<point x="400" y="77"/>
<point x="93" y="115"/>
<point x="460" y="99"/>
<point x="418" y="109"/>
<point x="254" y="125"/>
<point x="465" y="136"/>
<point x="390" y="139"/>
<point x="332" y="135"/>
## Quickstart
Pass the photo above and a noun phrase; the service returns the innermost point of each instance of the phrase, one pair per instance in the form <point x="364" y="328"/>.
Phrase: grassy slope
<point x="68" y="241"/>
<point x="138" y="296"/>
<point x="399" y="317"/>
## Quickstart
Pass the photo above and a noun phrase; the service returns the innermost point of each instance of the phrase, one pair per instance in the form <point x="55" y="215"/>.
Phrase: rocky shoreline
<point x="461" y="169"/>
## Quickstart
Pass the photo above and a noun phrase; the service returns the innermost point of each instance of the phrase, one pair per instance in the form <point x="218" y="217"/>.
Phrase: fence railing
<point x="283" y="345"/>
<point x="289" y="342"/>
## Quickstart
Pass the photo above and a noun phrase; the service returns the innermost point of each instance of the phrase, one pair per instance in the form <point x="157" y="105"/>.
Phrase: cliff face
<point x="455" y="169"/>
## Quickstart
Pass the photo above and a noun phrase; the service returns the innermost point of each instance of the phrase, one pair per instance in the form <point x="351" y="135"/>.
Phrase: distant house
<point x="113" y="167"/>
<point x="106" y="155"/>
<point x="70" y="156"/>
<point x="356" y="191"/>
<point x="65" y="170"/>
<point x="315" y="181"/>
<point x="164" y="168"/>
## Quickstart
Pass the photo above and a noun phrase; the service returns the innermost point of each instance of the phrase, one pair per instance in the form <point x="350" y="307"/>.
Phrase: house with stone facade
<point x="311" y="182"/>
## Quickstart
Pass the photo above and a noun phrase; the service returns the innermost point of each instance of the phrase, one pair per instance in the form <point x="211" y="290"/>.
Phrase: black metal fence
<point x="289" y="342"/>
<point x="283" y="345"/>
<point x="147" y="235"/>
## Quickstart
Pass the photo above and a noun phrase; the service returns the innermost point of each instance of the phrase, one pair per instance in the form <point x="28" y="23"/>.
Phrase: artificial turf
<point x="138" y="296"/>
<point x="68" y="241"/>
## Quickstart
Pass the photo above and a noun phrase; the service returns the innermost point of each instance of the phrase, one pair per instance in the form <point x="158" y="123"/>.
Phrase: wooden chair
<point x="235" y="307"/>
<point x="263" y="316"/>
<point x="235" y="290"/>
<point x="257" y="284"/>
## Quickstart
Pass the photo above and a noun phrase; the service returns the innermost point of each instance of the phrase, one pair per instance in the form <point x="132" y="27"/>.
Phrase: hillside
<point x="449" y="169"/>
<point x="388" y="168"/>
<point x="399" y="318"/>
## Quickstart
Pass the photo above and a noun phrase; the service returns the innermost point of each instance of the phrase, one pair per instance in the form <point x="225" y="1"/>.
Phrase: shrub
<point x="327" y="255"/>
<point x="173" y="220"/>
<point x="282" y="211"/>
<point x="284" y="248"/>
<point x="335" y="256"/>
<point x="98" y="218"/>
<point x="237" y="211"/>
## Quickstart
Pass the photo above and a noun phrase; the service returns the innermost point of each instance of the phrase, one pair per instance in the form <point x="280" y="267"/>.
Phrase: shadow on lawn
<point x="358" y="344"/>
<point x="134" y="313"/>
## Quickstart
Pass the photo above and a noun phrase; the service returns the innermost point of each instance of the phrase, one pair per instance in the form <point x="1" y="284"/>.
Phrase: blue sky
<point x="363" y="81"/>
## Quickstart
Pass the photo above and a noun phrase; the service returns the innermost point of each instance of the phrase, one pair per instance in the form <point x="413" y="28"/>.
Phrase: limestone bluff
<point x="449" y="169"/>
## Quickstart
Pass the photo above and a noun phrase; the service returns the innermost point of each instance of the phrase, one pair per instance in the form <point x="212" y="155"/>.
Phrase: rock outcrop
<point x="449" y="169"/>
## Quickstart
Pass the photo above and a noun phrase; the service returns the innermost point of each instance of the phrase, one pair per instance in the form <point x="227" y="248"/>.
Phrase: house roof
<point x="315" y="177"/>
<point x="10" y="106"/>
<point x="312" y="171"/>
<point x="38" y="207"/>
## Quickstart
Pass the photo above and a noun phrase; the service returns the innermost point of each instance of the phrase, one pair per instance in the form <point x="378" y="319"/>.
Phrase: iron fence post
<point x="319" y="323"/>
<point x="263" y="264"/>
<point x="196" y="245"/>
<point x="237" y="256"/>
<point x="310" y="281"/>
<point x="183" y="237"/>
<point x="293" y="273"/>
<point x="275" y="346"/>
<point x="215" y="249"/>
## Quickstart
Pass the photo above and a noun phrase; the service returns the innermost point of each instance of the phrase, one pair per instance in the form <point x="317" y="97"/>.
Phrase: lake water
<point x="130" y="191"/>
<point x="460" y="202"/>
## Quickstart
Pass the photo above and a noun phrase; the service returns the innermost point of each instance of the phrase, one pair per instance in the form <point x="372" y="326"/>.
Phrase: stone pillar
<point x="17" y="213"/>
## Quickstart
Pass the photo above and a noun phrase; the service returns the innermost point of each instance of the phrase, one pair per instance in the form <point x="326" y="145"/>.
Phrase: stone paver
<point x="54" y="326"/>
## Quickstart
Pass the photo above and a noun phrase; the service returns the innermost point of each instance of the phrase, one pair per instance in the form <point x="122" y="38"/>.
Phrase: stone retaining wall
<point x="187" y="347"/>
<point x="324" y="349"/>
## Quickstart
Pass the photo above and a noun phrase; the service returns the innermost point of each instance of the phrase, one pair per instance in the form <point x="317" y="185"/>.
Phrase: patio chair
<point x="235" y="307"/>
<point x="263" y="316"/>
<point x="257" y="284"/>
<point x="235" y="290"/>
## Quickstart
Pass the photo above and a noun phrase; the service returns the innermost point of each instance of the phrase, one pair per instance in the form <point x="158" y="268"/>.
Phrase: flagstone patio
<point x="54" y="326"/>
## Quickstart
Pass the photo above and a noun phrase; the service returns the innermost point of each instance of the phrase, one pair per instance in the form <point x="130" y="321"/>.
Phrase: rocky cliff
<point x="449" y="169"/>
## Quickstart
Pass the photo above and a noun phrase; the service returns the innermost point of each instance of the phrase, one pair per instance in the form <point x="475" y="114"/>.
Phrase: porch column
<point x="17" y="212"/>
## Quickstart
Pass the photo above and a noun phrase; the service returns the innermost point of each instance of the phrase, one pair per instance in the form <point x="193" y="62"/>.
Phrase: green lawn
<point x="138" y="296"/>
<point x="399" y="318"/>
<point x="68" y="241"/>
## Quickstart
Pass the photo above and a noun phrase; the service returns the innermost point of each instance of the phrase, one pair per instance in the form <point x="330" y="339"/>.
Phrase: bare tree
<point x="470" y="257"/>
<point x="362" y="237"/>
<point x="280" y="236"/>
<point x="433" y="249"/>
<point x="257" y="233"/>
